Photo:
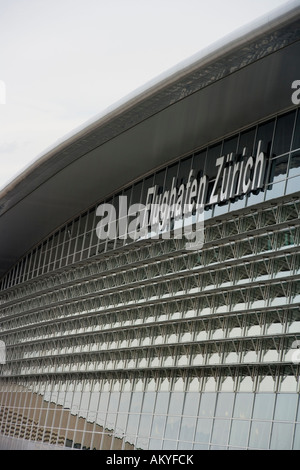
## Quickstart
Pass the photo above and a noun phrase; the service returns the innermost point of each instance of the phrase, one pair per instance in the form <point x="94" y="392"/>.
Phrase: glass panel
<point x="243" y="405"/>
<point x="296" y="139"/>
<point x="207" y="405"/>
<point x="132" y="425"/>
<point x="286" y="405"/>
<point x="275" y="190"/>
<point x="172" y="427"/>
<point x="136" y="402"/>
<point x="225" y="405"/>
<point x="176" y="403"/>
<point x="220" y="431"/>
<point x="149" y="400"/>
<point x="145" y="425"/>
<point x="158" y="426"/>
<point x="278" y="169"/>
<point x="294" y="167"/>
<point x="162" y="402"/>
<point x="211" y="170"/>
<point x="191" y="404"/>
<point x="247" y="141"/>
<point x="203" y="430"/>
<point x="187" y="429"/>
<point x="260" y="435"/>
<point x="113" y="402"/>
<point x="264" y="134"/>
<point x="282" y="434"/>
<point x="283" y="133"/>
<point x="296" y="445"/>
<point x="264" y="406"/>
<point x="124" y="402"/>
<point x="239" y="433"/>
<point x="293" y="185"/>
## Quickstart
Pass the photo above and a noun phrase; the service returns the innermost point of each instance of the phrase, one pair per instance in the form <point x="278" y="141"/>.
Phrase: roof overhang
<point x="228" y="86"/>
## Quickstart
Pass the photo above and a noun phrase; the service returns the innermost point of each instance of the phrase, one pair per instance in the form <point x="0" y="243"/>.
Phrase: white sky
<point x="65" y="61"/>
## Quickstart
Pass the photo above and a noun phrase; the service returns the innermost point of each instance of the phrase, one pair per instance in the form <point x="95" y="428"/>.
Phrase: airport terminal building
<point x="118" y="338"/>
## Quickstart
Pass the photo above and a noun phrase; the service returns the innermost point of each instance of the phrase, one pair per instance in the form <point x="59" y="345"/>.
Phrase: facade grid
<point x="118" y="344"/>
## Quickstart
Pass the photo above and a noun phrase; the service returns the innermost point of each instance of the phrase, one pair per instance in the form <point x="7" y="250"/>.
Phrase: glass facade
<point x="122" y="344"/>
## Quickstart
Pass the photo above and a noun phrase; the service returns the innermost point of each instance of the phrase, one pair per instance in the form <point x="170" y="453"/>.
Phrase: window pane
<point x="191" y="404"/>
<point x="282" y="436"/>
<point x="203" y="430"/>
<point x="260" y="434"/>
<point x="293" y="185"/>
<point x="264" y="406"/>
<point x="278" y="169"/>
<point x="145" y="425"/>
<point x="294" y="164"/>
<point x="187" y="429"/>
<point x="286" y="405"/>
<point x="207" y="404"/>
<point x="239" y="433"/>
<point x="149" y="400"/>
<point x="162" y="401"/>
<point x="176" y="403"/>
<point x="158" y="426"/>
<point x="136" y="402"/>
<point x="296" y="140"/>
<point x="172" y="427"/>
<point x="220" y="431"/>
<point x="296" y="445"/>
<point x="265" y="135"/>
<point x="283" y="133"/>
<point x="243" y="405"/>
<point x="224" y="405"/>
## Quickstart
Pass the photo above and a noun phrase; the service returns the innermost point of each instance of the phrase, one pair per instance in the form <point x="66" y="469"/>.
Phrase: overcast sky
<point x="65" y="61"/>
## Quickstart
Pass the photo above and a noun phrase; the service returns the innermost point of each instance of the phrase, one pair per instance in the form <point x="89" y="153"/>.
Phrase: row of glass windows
<point x="280" y="139"/>
<point x="158" y="420"/>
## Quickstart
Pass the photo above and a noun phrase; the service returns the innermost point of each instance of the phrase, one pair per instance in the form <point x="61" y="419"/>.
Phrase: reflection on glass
<point x="243" y="405"/>
<point x="293" y="185"/>
<point x="158" y="426"/>
<point x="224" y="405"/>
<point x="278" y="169"/>
<point x="275" y="190"/>
<point x="260" y="435"/>
<point x="207" y="404"/>
<point x="294" y="167"/>
<point x="283" y="133"/>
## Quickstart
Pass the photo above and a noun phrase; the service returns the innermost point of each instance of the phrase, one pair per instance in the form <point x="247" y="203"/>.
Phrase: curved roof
<point x="233" y="83"/>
